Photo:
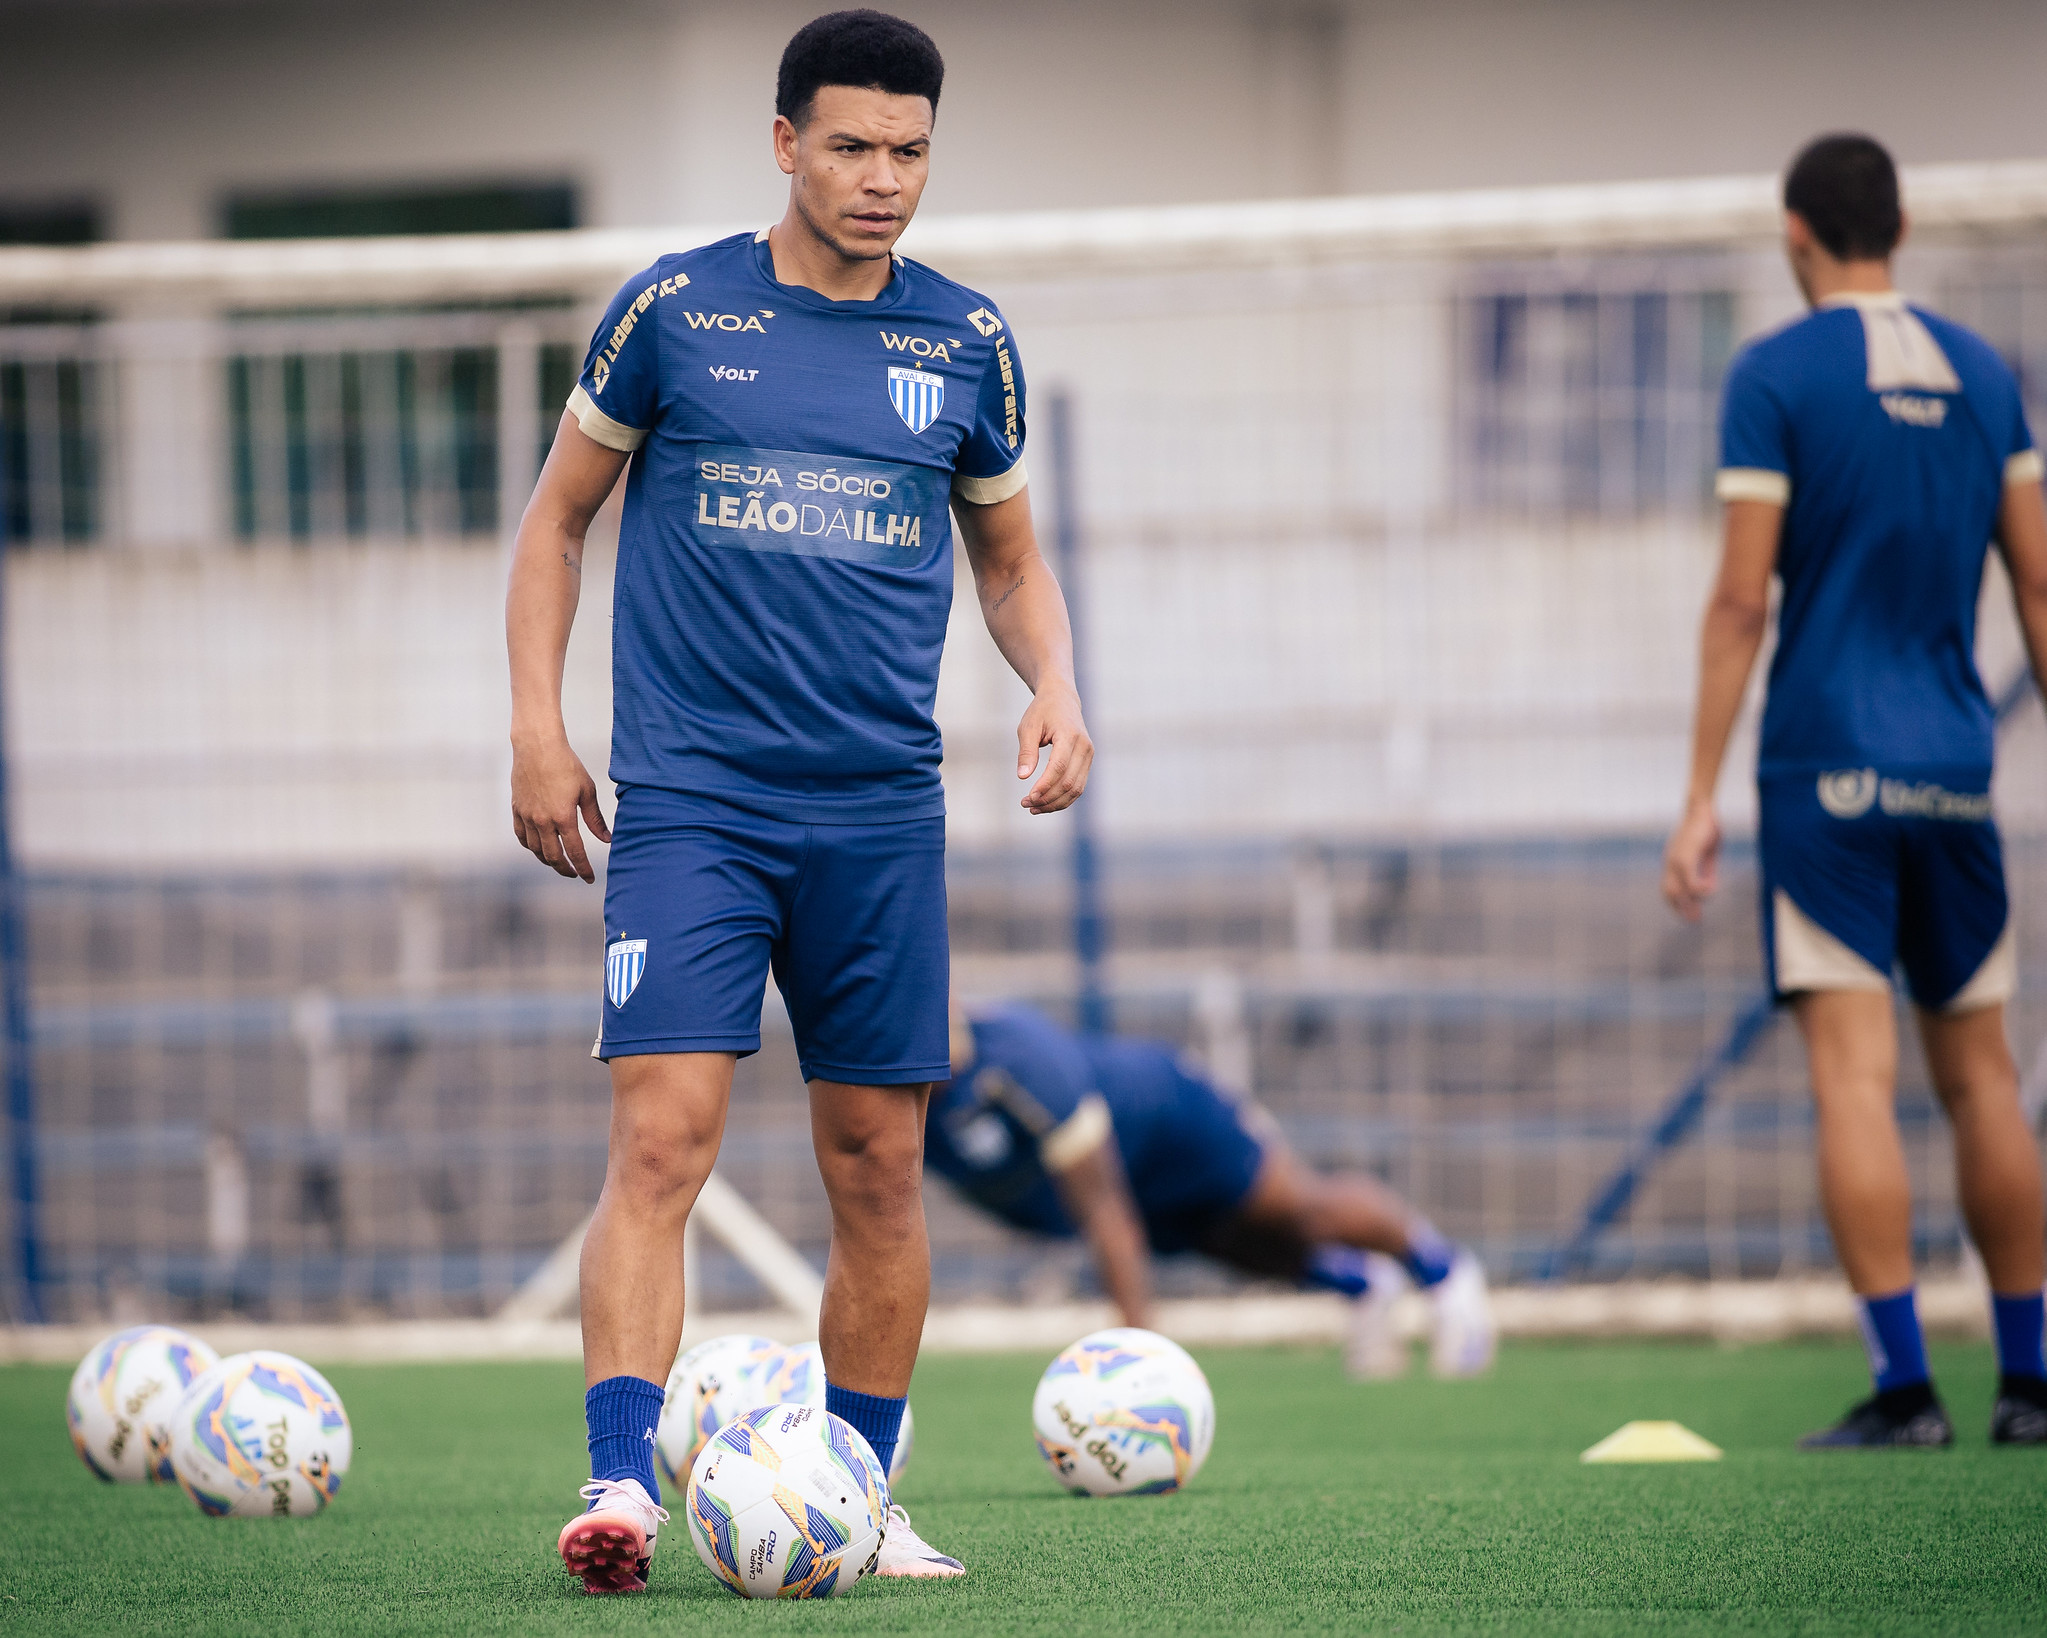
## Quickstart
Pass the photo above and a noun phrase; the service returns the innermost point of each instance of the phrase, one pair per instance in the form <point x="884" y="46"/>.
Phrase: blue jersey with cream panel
<point x="785" y="559"/>
<point x="1036" y="1098"/>
<point x="1887" y="434"/>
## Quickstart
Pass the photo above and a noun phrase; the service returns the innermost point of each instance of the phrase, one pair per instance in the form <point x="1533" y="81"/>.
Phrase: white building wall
<point x="659" y="109"/>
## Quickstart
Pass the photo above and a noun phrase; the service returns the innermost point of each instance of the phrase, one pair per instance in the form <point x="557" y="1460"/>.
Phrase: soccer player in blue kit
<point x="801" y="408"/>
<point x="1117" y="1142"/>
<point x="1871" y="451"/>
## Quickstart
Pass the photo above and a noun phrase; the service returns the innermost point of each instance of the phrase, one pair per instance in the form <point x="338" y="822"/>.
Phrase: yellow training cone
<point x="1653" y="1442"/>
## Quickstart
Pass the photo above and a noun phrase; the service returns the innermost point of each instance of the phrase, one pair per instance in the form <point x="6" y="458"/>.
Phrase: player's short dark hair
<point x="869" y="49"/>
<point x="1846" y="188"/>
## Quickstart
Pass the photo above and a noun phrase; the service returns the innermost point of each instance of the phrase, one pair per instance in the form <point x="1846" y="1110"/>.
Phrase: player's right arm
<point x="1097" y="1197"/>
<point x="1737" y="615"/>
<point x="550" y="785"/>
<point x="1754" y="484"/>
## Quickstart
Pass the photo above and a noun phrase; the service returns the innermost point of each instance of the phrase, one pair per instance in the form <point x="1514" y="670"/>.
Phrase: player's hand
<point x="1691" y="861"/>
<point x="550" y="787"/>
<point x="1054" y="720"/>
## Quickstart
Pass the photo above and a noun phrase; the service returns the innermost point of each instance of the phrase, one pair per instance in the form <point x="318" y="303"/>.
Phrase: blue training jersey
<point x="785" y="559"/>
<point x="1888" y="434"/>
<point x="1037" y="1097"/>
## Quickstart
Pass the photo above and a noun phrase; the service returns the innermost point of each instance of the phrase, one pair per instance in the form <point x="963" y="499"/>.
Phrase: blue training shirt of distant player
<point x="1036" y="1098"/>
<point x="785" y="558"/>
<point x="1887" y="433"/>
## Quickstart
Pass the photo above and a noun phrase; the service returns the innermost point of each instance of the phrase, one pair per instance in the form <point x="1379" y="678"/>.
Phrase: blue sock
<point x="1890" y="1333"/>
<point x="1337" y="1268"/>
<point x="622" y="1413"/>
<point x="1429" y="1255"/>
<point x="2021" y="1333"/>
<point x="878" y="1420"/>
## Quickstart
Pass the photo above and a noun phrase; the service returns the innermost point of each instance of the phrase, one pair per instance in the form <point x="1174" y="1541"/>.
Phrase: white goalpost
<point x="1397" y="517"/>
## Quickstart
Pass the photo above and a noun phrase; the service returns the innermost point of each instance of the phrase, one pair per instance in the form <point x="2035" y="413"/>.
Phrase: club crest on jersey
<point x="624" y="961"/>
<point x="917" y="395"/>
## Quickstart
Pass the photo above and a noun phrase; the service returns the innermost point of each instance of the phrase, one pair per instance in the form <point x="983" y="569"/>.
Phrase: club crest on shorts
<point x="918" y="395"/>
<point x="624" y="961"/>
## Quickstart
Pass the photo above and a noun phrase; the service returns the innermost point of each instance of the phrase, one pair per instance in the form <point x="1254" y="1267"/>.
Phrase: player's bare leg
<point x="1293" y="1213"/>
<point x="870" y="1153"/>
<point x="1997" y="1165"/>
<point x="667" y="1119"/>
<point x="1851" y="1045"/>
<point x="667" y="1116"/>
<point x="1997" y="1161"/>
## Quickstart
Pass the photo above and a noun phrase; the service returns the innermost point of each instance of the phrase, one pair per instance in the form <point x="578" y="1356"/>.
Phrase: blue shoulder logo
<point x="917" y="395"/>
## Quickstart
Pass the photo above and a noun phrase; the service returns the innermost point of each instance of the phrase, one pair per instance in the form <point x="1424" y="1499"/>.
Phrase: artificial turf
<point x="1327" y="1506"/>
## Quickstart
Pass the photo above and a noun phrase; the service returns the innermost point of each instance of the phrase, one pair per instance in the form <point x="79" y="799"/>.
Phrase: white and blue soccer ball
<point x="1124" y="1412"/>
<point x="787" y="1501"/>
<point x="261" y="1435"/>
<point x="797" y="1378"/>
<point x="710" y="1385"/>
<point x="121" y="1399"/>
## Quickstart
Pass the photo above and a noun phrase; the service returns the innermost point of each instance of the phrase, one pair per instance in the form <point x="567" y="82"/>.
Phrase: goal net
<point x="1394" y="523"/>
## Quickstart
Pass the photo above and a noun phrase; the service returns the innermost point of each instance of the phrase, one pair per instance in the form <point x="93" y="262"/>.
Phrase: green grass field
<point x="1326" y="1507"/>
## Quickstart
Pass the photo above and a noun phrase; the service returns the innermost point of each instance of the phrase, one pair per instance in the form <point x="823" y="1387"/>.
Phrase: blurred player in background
<point x="801" y="408"/>
<point x="1870" y="452"/>
<point x="1117" y="1142"/>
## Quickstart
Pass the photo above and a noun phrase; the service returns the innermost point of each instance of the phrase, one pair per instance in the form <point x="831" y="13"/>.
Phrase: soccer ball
<point x="121" y="1399"/>
<point x="1123" y="1413"/>
<point x="788" y="1501"/>
<point x="796" y="1377"/>
<point x="711" y="1383"/>
<point x="261" y="1435"/>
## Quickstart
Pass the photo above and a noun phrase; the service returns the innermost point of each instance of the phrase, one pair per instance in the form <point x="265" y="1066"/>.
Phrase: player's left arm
<point x="2022" y="538"/>
<point x="1026" y="615"/>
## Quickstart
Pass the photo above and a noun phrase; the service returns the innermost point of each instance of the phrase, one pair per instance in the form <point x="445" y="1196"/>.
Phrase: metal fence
<point x="318" y="1096"/>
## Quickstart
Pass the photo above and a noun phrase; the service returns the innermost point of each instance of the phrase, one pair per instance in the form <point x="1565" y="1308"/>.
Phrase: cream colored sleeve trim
<point x="1079" y="1135"/>
<point x="1754" y="483"/>
<point x="2025" y="467"/>
<point x="599" y="426"/>
<point x="988" y="491"/>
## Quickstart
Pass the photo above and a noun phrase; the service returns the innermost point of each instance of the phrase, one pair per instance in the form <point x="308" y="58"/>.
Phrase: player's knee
<point x="875" y="1179"/>
<point x="661" y="1161"/>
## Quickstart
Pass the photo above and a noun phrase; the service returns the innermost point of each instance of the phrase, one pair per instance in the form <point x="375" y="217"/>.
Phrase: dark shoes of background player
<point x="2020" y="1415"/>
<point x="1903" y="1416"/>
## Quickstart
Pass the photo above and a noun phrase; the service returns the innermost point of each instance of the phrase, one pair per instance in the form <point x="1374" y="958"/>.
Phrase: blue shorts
<point x="701" y="898"/>
<point x="1191" y="1171"/>
<point x="1863" y="873"/>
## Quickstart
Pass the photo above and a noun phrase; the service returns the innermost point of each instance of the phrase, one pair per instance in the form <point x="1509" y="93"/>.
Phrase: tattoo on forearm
<point x="575" y="568"/>
<point x="1006" y="596"/>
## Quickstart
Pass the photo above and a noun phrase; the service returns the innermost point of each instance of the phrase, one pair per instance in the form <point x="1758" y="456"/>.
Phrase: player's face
<point x="857" y="167"/>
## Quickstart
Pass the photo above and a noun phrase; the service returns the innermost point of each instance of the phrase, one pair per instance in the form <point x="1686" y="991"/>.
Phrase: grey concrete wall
<point x="659" y="109"/>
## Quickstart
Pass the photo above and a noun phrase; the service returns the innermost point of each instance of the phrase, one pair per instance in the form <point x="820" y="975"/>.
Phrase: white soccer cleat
<point x="1465" y="1336"/>
<point x="905" y="1553"/>
<point x="611" y="1545"/>
<point x="1373" y="1351"/>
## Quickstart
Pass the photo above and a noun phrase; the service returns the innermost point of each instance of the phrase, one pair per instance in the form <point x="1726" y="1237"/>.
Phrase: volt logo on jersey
<point x="917" y="395"/>
<point x="984" y="321"/>
<point x="624" y="961"/>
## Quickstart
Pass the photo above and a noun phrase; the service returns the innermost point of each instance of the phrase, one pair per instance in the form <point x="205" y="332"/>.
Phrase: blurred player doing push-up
<point x="1117" y="1142"/>
<point x="1871" y="452"/>
<point x="802" y="409"/>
